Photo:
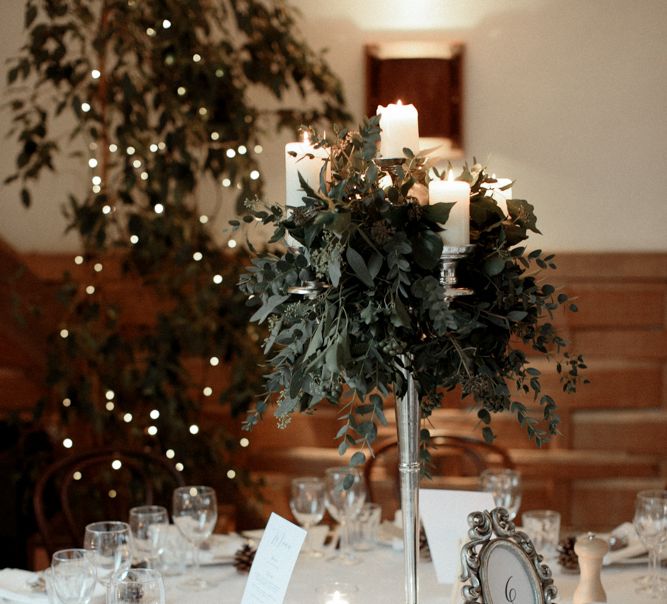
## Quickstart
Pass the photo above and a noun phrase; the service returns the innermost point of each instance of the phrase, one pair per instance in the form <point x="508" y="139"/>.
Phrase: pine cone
<point x="424" y="551"/>
<point x="567" y="557"/>
<point x="243" y="558"/>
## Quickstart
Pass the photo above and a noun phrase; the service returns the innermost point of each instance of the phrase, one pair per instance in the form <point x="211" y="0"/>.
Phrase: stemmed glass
<point x="149" y="524"/>
<point x="505" y="485"/>
<point x="136" y="586"/>
<point x="195" y="512"/>
<point x="73" y="576"/>
<point x="650" y="522"/>
<point x="108" y="545"/>
<point x="307" y="505"/>
<point x="345" y="494"/>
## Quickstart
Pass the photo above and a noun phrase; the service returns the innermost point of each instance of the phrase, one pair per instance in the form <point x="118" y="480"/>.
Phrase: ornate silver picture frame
<point x="500" y="565"/>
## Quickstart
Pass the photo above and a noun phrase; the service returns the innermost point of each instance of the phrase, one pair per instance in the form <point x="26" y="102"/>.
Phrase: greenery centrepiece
<point x="375" y="249"/>
<point x="159" y="100"/>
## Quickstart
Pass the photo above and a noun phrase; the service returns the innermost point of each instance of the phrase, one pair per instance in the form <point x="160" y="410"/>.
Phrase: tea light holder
<point x="450" y="257"/>
<point x="337" y="593"/>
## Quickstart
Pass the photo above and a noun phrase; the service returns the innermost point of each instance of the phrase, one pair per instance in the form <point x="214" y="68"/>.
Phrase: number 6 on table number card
<point x="274" y="562"/>
<point x="500" y="564"/>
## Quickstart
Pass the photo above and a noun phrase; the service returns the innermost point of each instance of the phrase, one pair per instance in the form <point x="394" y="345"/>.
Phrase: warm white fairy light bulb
<point x="181" y="90"/>
<point x="214" y="361"/>
<point x="203" y="219"/>
<point x="207" y="391"/>
<point x="217" y="279"/>
<point x="226" y="182"/>
<point x="144" y="176"/>
<point x="219" y="72"/>
<point x="258" y="149"/>
<point x="64" y="333"/>
<point x="90" y="290"/>
<point x="194" y="429"/>
<point x="109" y="395"/>
<point x="162" y="145"/>
<point x="134" y="239"/>
<point x="98" y="267"/>
<point x="197" y="256"/>
<point x="154" y="414"/>
<point x="136" y="163"/>
<point x="67" y="402"/>
<point x="130" y="150"/>
<point x="242" y="150"/>
<point x="203" y="111"/>
<point x="159" y="208"/>
<point x="113" y="147"/>
<point x="196" y="57"/>
<point x="179" y="466"/>
<point x="106" y="209"/>
<point x="166" y="23"/>
<point x="127" y="418"/>
<point x="116" y="464"/>
<point x="231" y="474"/>
<point x="96" y="180"/>
<point x="230" y="153"/>
<point x="95" y="74"/>
<point x="232" y="243"/>
<point x="85" y="107"/>
<point x="110" y="406"/>
<point x="153" y="147"/>
<point x="77" y="475"/>
<point x="152" y="430"/>
<point x="215" y="136"/>
<point x="170" y="454"/>
<point x="96" y="188"/>
<point x="78" y="259"/>
<point x="150" y="32"/>
<point x="254" y="175"/>
<point x="112" y="493"/>
<point x="244" y="442"/>
<point x="68" y="443"/>
<point x="92" y="162"/>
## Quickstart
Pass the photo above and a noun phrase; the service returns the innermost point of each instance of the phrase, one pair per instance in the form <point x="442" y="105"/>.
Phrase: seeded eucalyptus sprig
<point x="375" y="250"/>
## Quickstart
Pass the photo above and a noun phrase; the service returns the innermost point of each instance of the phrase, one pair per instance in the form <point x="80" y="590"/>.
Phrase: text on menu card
<point x="274" y="562"/>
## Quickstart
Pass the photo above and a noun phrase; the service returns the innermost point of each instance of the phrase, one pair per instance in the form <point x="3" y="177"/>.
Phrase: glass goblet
<point x="136" y="586"/>
<point x="345" y="495"/>
<point x="195" y="512"/>
<point x="307" y="505"/>
<point x="650" y="522"/>
<point x="149" y="525"/>
<point x="109" y="547"/>
<point x="505" y="485"/>
<point x="73" y="576"/>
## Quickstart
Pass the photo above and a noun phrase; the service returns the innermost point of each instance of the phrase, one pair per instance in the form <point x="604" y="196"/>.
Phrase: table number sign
<point x="500" y="564"/>
<point x="274" y="562"/>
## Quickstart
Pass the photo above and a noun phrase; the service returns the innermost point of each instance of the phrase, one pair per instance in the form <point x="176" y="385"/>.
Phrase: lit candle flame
<point x="450" y="176"/>
<point x="306" y="138"/>
<point x="399" y="102"/>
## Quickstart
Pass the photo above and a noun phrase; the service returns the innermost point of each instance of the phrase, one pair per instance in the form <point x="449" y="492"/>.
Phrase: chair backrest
<point x="457" y="462"/>
<point x="100" y="484"/>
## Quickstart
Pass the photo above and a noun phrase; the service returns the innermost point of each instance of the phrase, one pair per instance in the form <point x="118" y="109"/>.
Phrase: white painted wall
<point x="566" y="96"/>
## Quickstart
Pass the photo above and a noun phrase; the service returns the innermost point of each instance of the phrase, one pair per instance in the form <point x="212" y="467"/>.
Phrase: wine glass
<point x="345" y="494"/>
<point x="136" y="586"/>
<point x="149" y="524"/>
<point x="307" y="505"/>
<point x="195" y="512"/>
<point x="73" y="576"/>
<point x="505" y="485"/>
<point x="650" y="522"/>
<point x="108" y="545"/>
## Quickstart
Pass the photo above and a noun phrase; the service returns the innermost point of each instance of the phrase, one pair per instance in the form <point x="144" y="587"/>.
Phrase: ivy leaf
<point x="358" y="265"/>
<point x="438" y="212"/>
<point x="427" y="248"/>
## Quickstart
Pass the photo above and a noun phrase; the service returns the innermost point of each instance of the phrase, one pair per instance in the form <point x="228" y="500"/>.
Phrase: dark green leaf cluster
<point x="380" y="310"/>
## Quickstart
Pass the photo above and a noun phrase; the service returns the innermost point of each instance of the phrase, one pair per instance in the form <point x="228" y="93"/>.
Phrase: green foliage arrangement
<point x="160" y="98"/>
<point x="375" y="251"/>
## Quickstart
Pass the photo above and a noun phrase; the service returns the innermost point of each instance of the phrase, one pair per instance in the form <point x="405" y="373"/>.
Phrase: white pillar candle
<point x="301" y="163"/>
<point x="457" y="231"/>
<point x="500" y="197"/>
<point x="400" y="128"/>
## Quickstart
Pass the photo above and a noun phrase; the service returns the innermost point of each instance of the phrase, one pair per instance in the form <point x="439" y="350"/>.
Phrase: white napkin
<point x="633" y="549"/>
<point x="14" y="587"/>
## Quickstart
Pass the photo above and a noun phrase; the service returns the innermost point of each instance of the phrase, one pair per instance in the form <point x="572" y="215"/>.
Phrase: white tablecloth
<point x="379" y="577"/>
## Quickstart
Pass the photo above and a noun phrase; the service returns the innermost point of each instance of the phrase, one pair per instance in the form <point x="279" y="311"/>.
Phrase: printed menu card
<point x="274" y="562"/>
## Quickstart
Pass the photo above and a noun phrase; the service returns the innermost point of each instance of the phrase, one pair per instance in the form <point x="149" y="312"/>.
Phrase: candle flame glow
<point x="306" y="138"/>
<point x="450" y="176"/>
<point x="399" y="102"/>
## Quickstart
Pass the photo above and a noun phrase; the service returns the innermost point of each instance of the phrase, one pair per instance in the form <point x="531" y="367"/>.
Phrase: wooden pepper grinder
<point x="590" y="551"/>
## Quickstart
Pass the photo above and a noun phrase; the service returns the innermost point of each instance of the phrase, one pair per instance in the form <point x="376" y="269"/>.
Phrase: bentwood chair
<point x="457" y="462"/>
<point x="101" y="484"/>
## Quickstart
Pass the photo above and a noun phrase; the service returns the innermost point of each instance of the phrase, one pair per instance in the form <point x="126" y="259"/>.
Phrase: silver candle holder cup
<point x="449" y="259"/>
